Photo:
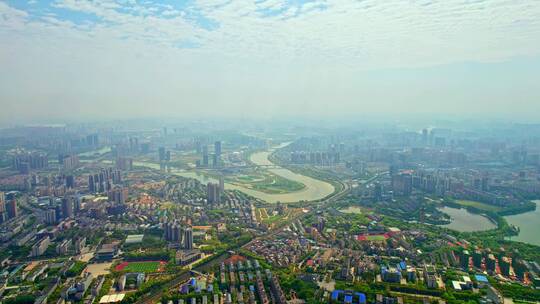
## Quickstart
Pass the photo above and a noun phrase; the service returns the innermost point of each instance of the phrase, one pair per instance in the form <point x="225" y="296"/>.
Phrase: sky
<point x="74" y="59"/>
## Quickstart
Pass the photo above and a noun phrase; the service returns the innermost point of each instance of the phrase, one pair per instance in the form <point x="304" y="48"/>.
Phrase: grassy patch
<point x="151" y="266"/>
<point x="376" y="238"/>
<point x="478" y="205"/>
<point x="267" y="182"/>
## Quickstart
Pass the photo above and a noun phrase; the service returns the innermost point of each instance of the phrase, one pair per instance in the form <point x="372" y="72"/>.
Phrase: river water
<point x="314" y="189"/>
<point x="529" y="225"/>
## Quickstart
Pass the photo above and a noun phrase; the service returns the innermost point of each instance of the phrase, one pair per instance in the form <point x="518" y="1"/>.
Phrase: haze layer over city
<point x="269" y="152"/>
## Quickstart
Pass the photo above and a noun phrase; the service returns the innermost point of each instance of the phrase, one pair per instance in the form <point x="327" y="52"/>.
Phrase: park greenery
<point x="75" y="269"/>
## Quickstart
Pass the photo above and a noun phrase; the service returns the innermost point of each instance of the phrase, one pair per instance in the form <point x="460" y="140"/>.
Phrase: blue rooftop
<point x="361" y="297"/>
<point x="402" y="265"/>
<point x="335" y="294"/>
<point x="348" y="299"/>
<point x="184" y="289"/>
<point x="481" y="278"/>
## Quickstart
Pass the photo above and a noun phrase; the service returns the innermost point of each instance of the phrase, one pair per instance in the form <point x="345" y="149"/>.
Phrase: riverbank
<point x="314" y="190"/>
<point x="340" y="188"/>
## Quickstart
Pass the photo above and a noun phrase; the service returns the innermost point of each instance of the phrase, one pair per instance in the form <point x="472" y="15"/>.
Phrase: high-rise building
<point x="425" y="136"/>
<point x="69" y="161"/>
<point x="133" y="144"/>
<point x="3" y="215"/>
<point x="162" y="154"/>
<point x="145" y="147"/>
<point x="485" y="183"/>
<point x="176" y="232"/>
<point x="377" y="192"/>
<point x="63" y="247"/>
<point x="118" y="195"/>
<point x="91" y="183"/>
<point x="217" y="148"/>
<point x="70" y="181"/>
<point x="320" y="224"/>
<point x="116" y="176"/>
<point x="402" y="184"/>
<point x="11" y="208"/>
<point x="465" y="259"/>
<point x="188" y="238"/>
<point x="80" y="242"/>
<point x="491" y="263"/>
<point x="221" y="184"/>
<point x="58" y="210"/>
<point x="92" y="140"/>
<point x="477" y="258"/>
<point x="124" y="163"/>
<point x="50" y="216"/>
<point x="198" y="146"/>
<point x="26" y="162"/>
<point x="504" y="265"/>
<point x="213" y="193"/>
<point x="205" y="156"/>
<point x="173" y="232"/>
<point x="41" y="246"/>
<point x="392" y="275"/>
<point x="215" y="161"/>
<point x="67" y="207"/>
<point x="76" y="205"/>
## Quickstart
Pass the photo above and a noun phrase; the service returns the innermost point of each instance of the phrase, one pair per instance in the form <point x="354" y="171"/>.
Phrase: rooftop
<point x="114" y="298"/>
<point x="134" y="238"/>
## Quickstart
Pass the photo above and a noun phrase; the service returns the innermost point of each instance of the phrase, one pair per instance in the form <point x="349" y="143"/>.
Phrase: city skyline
<point x="214" y="211"/>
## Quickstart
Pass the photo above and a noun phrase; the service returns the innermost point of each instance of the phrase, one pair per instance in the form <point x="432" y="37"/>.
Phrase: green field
<point x="250" y="178"/>
<point x="277" y="184"/>
<point x="141" y="267"/>
<point x="267" y="182"/>
<point x="376" y="238"/>
<point x="478" y="205"/>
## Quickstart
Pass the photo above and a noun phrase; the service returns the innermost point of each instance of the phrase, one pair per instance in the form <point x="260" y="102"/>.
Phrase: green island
<point x="267" y="182"/>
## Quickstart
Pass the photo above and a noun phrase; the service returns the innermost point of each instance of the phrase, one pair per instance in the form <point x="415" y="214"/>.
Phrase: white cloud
<point x="299" y="47"/>
<point x="367" y="33"/>
<point x="11" y="18"/>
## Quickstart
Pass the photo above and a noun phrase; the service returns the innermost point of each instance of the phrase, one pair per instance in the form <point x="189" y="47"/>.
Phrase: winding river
<point x="314" y="189"/>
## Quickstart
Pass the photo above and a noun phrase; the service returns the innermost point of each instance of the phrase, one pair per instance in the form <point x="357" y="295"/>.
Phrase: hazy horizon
<point x="68" y="60"/>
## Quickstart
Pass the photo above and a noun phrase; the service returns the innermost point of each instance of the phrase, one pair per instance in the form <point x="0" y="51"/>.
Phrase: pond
<point x="529" y="225"/>
<point x="465" y="221"/>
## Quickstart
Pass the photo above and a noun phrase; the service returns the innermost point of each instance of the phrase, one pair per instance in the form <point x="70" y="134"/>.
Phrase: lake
<point x="529" y="225"/>
<point x="465" y="221"/>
